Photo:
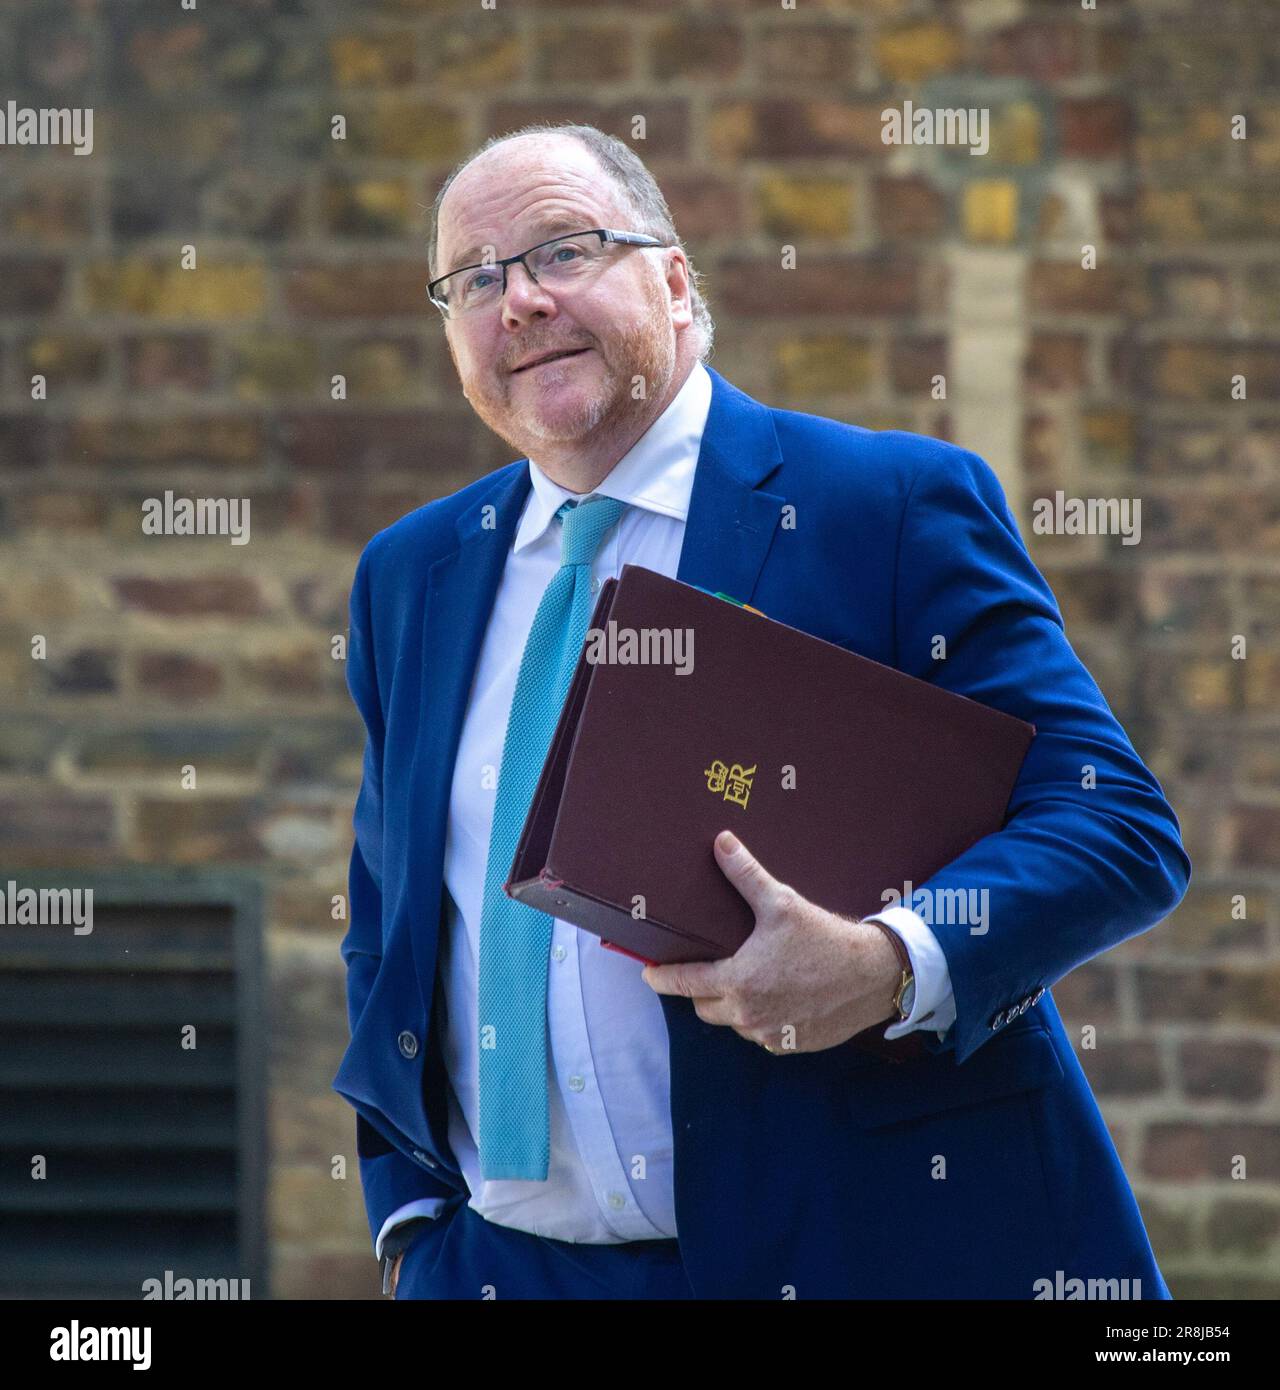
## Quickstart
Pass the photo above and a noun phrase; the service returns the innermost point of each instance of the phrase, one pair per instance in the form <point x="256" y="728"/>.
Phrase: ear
<point x="676" y="275"/>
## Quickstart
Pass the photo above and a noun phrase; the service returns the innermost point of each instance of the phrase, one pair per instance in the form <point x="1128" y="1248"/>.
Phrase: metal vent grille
<point x="153" y="1149"/>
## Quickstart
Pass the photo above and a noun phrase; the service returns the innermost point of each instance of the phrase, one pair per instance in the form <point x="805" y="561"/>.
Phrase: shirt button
<point x="595" y="585"/>
<point x="558" y="953"/>
<point x="408" y="1044"/>
<point x="617" y="1200"/>
<point x="576" y="1083"/>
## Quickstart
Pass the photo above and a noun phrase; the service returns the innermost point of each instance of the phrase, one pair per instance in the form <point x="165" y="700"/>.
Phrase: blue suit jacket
<point x="971" y="1172"/>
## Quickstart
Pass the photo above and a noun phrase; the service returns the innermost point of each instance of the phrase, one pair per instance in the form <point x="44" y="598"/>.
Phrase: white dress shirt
<point x="610" y="1177"/>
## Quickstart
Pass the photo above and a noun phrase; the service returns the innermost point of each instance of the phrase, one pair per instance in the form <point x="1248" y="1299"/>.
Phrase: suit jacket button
<point x="408" y="1044"/>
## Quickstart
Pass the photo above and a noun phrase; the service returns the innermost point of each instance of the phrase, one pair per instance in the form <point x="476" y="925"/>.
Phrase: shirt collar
<point x="656" y="473"/>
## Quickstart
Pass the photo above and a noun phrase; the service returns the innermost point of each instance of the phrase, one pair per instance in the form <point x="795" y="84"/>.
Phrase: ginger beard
<point x="569" y="400"/>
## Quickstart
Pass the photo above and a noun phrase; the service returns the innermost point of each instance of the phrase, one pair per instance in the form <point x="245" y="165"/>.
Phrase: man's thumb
<point x="744" y="870"/>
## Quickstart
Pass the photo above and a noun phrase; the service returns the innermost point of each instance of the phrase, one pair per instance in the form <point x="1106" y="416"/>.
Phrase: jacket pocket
<point x="1017" y="1061"/>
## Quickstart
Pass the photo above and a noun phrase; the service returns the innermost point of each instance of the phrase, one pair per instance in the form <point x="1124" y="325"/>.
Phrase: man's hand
<point x="395" y="1272"/>
<point x="805" y="979"/>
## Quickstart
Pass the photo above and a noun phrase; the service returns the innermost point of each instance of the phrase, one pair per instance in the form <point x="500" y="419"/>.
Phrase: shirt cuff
<point x="935" y="1004"/>
<point x="423" y="1206"/>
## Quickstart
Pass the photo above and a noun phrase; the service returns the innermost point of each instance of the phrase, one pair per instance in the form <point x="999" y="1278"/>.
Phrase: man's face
<point x="625" y="316"/>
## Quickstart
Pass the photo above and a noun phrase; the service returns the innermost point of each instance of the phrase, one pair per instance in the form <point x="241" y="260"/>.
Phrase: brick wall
<point x="1109" y="128"/>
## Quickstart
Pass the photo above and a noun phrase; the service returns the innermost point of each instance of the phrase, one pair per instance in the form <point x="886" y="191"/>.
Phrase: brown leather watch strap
<point x="900" y="950"/>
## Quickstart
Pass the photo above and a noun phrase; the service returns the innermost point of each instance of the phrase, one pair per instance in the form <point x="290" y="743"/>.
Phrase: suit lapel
<point x="731" y="521"/>
<point x="461" y="587"/>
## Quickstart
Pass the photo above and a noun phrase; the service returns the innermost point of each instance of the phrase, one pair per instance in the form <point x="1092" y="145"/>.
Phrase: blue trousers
<point x="461" y="1255"/>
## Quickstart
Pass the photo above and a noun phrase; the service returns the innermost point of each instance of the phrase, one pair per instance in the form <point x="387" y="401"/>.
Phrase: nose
<point x="523" y="297"/>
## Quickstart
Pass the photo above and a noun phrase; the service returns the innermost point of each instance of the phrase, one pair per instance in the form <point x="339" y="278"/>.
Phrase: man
<point x="706" y="1130"/>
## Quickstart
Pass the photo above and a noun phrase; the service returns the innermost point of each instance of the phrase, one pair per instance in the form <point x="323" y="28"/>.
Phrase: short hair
<point x="636" y="188"/>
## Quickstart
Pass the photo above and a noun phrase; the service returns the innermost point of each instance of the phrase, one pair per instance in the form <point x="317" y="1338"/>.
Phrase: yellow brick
<point x="379" y="371"/>
<point x="991" y="210"/>
<point x="730" y="130"/>
<point x="212" y="292"/>
<point x="383" y="197"/>
<point x="469" y="60"/>
<point x="915" y="51"/>
<point x="1261" y="680"/>
<point x="1108" y="436"/>
<point x="1207" y="684"/>
<point x="1016" y="136"/>
<point x="412" y="130"/>
<point x="1262" y="148"/>
<point x="361" y="60"/>
<point x="1171" y="214"/>
<point x="829" y="364"/>
<point x="806" y="207"/>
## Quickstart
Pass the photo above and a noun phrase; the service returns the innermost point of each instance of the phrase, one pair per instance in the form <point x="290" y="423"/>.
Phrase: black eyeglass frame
<point x="606" y="234"/>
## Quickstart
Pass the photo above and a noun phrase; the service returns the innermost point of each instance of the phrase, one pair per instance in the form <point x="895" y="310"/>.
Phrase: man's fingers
<point x="693" y="979"/>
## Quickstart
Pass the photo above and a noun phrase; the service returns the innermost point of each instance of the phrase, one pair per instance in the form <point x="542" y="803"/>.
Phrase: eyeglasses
<point x="561" y="262"/>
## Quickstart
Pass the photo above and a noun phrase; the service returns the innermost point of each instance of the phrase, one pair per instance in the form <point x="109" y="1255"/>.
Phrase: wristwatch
<point x="904" y="997"/>
<point x="396" y="1240"/>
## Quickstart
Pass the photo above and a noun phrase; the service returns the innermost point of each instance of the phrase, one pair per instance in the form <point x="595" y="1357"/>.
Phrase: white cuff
<point x="935" y="1004"/>
<point x="423" y="1206"/>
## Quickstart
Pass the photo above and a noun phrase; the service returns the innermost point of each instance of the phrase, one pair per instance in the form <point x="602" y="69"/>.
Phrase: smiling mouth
<point x="559" y="357"/>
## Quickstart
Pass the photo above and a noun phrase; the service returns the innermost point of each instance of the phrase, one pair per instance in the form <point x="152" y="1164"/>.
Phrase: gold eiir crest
<point x="734" y="781"/>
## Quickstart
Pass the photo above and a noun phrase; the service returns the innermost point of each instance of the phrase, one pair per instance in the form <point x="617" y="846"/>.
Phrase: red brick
<point x="176" y="675"/>
<point x="196" y="829"/>
<point x="372" y="289"/>
<point x="30" y="284"/>
<point x="373" y="443"/>
<point x="1095" y="127"/>
<point x="54" y="823"/>
<point x="1192" y="1150"/>
<point x="1223" y="1071"/>
<point x="579" y="53"/>
<point x="914" y="362"/>
<point x="231" y="595"/>
<point x="1124" y="1067"/>
<point x="695" y="47"/>
<point x="826" y="285"/>
<point x="1066" y="287"/>
<point x="785" y="128"/>
<point x="703" y="205"/>
<point x="792" y="51"/>
<point x="908" y="207"/>
<point x="1042" y="50"/>
<point x="1209" y="994"/>
<point x="1057" y="361"/>
<point x="156" y="362"/>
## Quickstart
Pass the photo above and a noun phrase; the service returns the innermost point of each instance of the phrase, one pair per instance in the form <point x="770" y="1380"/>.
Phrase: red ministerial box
<point x="844" y="777"/>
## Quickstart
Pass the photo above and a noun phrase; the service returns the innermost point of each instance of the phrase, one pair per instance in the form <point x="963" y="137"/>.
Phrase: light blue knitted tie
<point x="515" y="940"/>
